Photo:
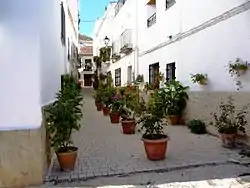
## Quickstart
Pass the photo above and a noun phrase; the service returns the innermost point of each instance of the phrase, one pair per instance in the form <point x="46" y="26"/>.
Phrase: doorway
<point x="88" y="79"/>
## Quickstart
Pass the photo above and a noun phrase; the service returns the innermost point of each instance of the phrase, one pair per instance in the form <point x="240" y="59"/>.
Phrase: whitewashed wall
<point x="113" y="27"/>
<point x="32" y="59"/>
<point x="207" y="51"/>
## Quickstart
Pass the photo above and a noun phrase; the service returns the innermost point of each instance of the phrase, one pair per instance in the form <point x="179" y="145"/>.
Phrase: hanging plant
<point x="139" y="78"/>
<point x="237" y="69"/>
<point x="105" y="53"/>
<point x="199" y="78"/>
<point x="116" y="57"/>
<point x="98" y="61"/>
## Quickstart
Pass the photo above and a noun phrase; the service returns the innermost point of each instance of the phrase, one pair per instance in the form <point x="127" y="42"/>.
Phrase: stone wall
<point x="202" y="105"/>
<point x="23" y="157"/>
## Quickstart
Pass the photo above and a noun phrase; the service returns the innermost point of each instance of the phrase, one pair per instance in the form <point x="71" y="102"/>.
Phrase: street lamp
<point x="106" y="41"/>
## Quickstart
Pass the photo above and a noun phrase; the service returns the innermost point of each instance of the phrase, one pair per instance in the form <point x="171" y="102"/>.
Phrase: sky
<point x="90" y="10"/>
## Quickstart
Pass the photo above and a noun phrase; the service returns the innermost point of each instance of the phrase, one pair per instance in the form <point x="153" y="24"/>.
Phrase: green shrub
<point x="197" y="126"/>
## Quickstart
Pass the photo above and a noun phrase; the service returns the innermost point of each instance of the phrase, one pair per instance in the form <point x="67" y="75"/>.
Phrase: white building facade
<point x="119" y="24"/>
<point x="37" y="33"/>
<point x="86" y="64"/>
<point x="179" y="38"/>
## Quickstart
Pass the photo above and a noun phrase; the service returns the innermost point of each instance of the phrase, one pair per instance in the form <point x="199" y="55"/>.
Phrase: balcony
<point x="116" y="51"/>
<point x="126" y="42"/>
<point x="151" y="20"/>
<point x="119" y="5"/>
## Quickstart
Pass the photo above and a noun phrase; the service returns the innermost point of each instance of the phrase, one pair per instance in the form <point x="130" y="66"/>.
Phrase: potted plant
<point x="238" y="67"/>
<point x="199" y="78"/>
<point x="62" y="118"/>
<point x="129" y="111"/>
<point x="154" y="139"/>
<point x="230" y="122"/>
<point x="174" y="97"/>
<point x="98" y="99"/>
<point x="139" y="81"/>
<point x="115" y="108"/>
<point x="107" y="94"/>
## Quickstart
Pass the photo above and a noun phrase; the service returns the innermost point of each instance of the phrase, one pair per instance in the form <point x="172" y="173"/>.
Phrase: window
<point x="129" y="77"/>
<point x="169" y="3"/>
<point x="63" y="26"/>
<point x="88" y="65"/>
<point x="170" y="72"/>
<point x="153" y="72"/>
<point x="118" y="77"/>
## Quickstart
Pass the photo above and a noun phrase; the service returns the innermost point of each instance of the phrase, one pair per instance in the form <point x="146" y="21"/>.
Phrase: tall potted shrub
<point x="230" y="121"/>
<point x="63" y="118"/>
<point x="175" y="97"/>
<point x="154" y="139"/>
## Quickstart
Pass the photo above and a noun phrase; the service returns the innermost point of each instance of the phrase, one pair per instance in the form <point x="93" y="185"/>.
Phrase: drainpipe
<point x="136" y="53"/>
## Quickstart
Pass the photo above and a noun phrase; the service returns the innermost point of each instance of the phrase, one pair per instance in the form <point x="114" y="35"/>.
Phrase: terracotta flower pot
<point x="156" y="149"/>
<point x="105" y="111"/>
<point x="228" y="140"/>
<point x="174" y="119"/>
<point x="67" y="160"/>
<point x="99" y="106"/>
<point x="114" y="117"/>
<point x="128" y="126"/>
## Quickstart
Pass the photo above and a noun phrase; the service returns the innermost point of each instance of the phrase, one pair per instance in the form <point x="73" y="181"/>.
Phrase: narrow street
<point x="108" y="157"/>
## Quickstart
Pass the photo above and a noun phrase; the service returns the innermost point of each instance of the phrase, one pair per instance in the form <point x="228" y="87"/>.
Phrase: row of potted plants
<point x="127" y="105"/>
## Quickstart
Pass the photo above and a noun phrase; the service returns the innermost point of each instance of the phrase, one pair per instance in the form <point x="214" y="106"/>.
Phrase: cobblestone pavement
<point x="104" y="151"/>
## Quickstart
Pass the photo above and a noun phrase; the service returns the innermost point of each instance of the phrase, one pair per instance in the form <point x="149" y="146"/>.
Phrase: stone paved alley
<point x="108" y="157"/>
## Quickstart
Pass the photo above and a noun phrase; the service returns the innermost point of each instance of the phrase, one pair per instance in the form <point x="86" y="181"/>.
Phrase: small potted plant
<point x="154" y="139"/>
<point x="199" y="78"/>
<point x="174" y="97"/>
<point x="98" y="99"/>
<point x="62" y="118"/>
<point x="115" y="108"/>
<point x="130" y="110"/>
<point x="107" y="95"/>
<point x="230" y="122"/>
<point x="238" y="67"/>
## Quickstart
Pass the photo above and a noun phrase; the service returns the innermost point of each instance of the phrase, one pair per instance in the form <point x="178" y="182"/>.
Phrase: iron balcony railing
<point x="151" y="20"/>
<point x="126" y="39"/>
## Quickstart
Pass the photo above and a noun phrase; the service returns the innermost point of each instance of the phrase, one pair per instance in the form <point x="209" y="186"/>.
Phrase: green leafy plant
<point x="98" y="61"/>
<point x="199" y="78"/>
<point x="230" y="121"/>
<point x="116" y="103"/>
<point x="64" y="114"/>
<point x="152" y="118"/>
<point x="139" y="78"/>
<point x="107" y="94"/>
<point x="131" y="106"/>
<point x="105" y="53"/>
<point x="97" y="96"/>
<point x="237" y="66"/>
<point x="173" y="97"/>
<point x="197" y="126"/>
